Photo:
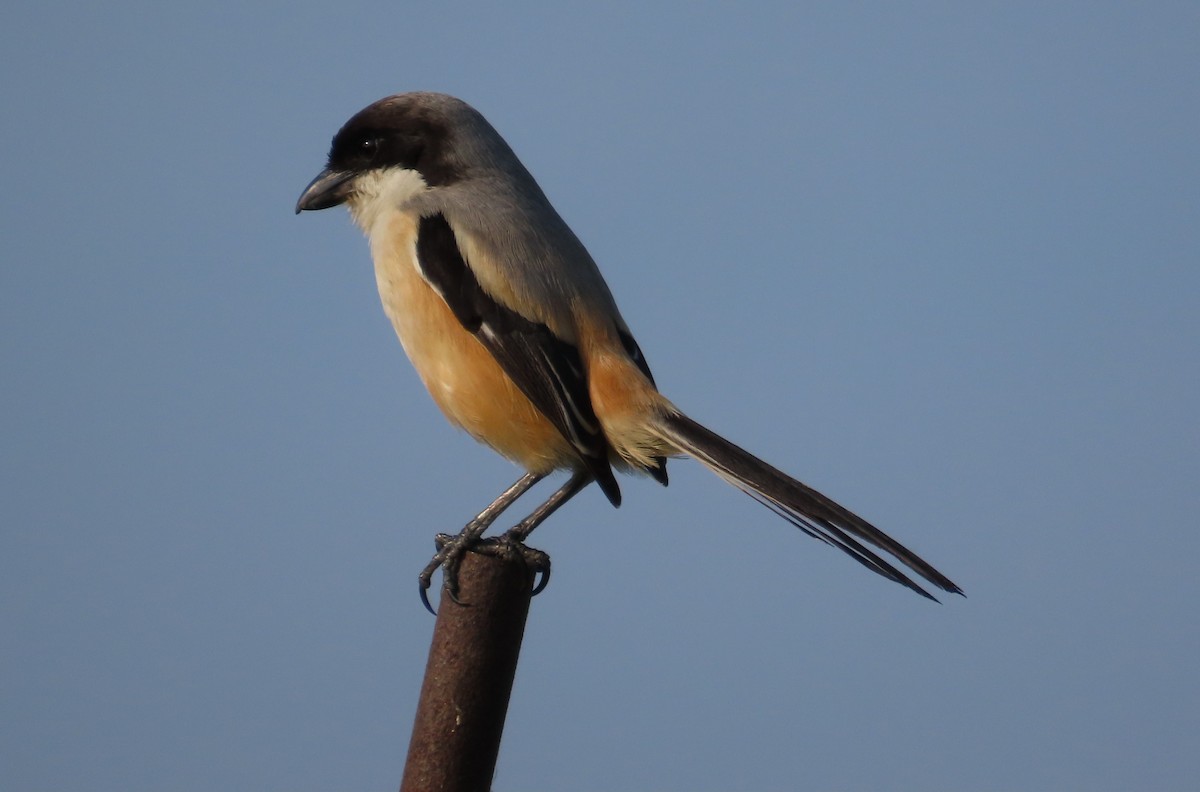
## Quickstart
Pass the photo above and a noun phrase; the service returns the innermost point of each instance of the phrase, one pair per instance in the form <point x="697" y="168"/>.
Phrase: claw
<point x="448" y="556"/>
<point x="424" y="592"/>
<point x="543" y="580"/>
<point x="425" y="579"/>
<point x="537" y="560"/>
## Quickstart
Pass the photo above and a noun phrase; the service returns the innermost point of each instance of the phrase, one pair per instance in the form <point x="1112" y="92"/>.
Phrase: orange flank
<point x="464" y="379"/>
<point x="624" y="399"/>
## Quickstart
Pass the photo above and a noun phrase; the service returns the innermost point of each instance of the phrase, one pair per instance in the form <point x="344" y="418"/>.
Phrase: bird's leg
<point x="450" y="548"/>
<point x="520" y="532"/>
<point x="514" y="538"/>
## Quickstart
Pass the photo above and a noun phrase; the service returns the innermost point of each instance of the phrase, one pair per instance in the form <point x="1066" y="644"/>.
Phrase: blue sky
<point x="939" y="260"/>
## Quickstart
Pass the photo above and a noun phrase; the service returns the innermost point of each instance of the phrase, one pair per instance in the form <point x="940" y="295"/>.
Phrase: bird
<point x="515" y="334"/>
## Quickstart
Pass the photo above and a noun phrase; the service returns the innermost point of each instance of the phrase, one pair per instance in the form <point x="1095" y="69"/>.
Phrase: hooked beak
<point x="330" y="188"/>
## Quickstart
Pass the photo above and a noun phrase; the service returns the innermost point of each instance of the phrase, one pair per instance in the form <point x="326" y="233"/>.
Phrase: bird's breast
<point x="463" y="378"/>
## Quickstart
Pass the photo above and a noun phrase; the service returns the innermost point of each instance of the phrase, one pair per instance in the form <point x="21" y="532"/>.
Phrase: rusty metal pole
<point x="469" y="676"/>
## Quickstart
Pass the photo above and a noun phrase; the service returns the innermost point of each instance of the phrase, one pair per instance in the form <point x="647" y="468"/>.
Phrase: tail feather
<point x="799" y="504"/>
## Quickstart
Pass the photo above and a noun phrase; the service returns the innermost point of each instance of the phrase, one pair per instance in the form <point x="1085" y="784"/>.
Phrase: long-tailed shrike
<point x="514" y="332"/>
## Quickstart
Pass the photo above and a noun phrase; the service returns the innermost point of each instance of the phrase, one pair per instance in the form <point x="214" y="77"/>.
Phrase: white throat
<point x="379" y="193"/>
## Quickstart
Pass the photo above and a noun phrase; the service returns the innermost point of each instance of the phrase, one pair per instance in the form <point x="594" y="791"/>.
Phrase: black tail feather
<point x="799" y="504"/>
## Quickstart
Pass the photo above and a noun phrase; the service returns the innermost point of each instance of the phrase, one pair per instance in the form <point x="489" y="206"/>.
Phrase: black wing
<point x="547" y="369"/>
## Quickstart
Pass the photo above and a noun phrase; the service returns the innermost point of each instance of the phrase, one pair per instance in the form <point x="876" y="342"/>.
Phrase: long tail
<point x="804" y="507"/>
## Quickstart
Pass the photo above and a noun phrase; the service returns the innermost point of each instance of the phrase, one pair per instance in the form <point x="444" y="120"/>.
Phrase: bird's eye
<point x="369" y="147"/>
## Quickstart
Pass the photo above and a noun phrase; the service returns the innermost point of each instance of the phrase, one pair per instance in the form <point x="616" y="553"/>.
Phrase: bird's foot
<point x="511" y="544"/>
<point x="452" y="548"/>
